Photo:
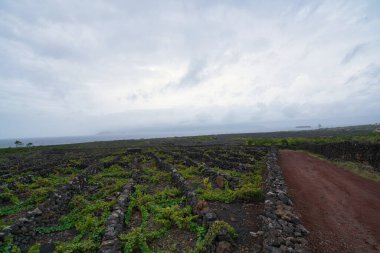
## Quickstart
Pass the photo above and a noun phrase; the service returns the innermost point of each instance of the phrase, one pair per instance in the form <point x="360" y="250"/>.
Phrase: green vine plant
<point x="160" y="212"/>
<point x="8" y="246"/>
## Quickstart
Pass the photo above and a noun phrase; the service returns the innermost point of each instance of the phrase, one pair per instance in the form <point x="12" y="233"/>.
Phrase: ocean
<point x="44" y="141"/>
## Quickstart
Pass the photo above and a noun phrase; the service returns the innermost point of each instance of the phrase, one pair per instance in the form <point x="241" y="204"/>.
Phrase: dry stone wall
<point x="283" y="231"/>
<point x="348" y="151"/>
<point x="115" y="222"/>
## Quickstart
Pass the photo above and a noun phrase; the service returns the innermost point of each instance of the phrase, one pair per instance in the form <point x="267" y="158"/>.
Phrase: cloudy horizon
<point x="70" y="68"/>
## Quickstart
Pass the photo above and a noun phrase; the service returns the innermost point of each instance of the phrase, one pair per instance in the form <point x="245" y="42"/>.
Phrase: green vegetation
<point x="154" y="175"/>
<point x="212" y="233"/>
<point x="18" y="143"/>
<point x="360" y="169"/>
<point x="165" y="157"/>
<point x="9" y="247"/>
<point x="88" y="218"/>
<point x="35" y="248"/>
<point x="250" y="190"/>
<point x="107" y="159"/>
<point x="295" y="141"/>
<point x="89" y="212"/>
<point x="190" y="173"/>
<point x="36" y="192"/>
<point x="159" y="213"/>
<point x="158" y="217"/>
<point x="203" y="138"/>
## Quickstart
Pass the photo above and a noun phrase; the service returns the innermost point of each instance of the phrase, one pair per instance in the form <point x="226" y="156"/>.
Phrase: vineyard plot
<point x="121" y="199"/>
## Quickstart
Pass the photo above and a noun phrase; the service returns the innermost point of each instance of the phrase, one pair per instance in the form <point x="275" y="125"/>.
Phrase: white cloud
<point x="180" y="62"/>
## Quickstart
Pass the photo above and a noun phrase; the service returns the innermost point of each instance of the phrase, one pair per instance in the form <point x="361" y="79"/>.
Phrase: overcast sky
<point x="82" y="67"/>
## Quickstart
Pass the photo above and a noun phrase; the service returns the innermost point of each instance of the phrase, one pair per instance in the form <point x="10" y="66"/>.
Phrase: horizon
<point x="63" y="140"/>
<point x="81" y="68"/>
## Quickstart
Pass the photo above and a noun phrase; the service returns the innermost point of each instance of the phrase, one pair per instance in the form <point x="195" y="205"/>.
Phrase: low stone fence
<point x="115" y="222"/>
<point x="348" y="151"/>
<point x="283" y="231"/>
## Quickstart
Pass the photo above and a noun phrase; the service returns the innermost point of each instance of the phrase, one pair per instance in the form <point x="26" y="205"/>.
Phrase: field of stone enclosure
<point x="142" y="196"/>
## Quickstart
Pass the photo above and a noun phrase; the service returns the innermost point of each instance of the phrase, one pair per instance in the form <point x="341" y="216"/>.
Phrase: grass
<point x="359" y="169"/>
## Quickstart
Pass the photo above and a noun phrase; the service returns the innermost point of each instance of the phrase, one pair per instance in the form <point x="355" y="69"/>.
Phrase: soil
<point x="47" y="241"/>
<point x="176" y="241"/>
<point x="244" y="217"/>
<point x="340" y="209"/>
<point x="136" y="218"/>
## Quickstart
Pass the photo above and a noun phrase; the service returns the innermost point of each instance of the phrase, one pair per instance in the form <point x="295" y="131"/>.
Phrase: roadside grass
<point x="357" y="168"/>
<point x="295" y="141"/>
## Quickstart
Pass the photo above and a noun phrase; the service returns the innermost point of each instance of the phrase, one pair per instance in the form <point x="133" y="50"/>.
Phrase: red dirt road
<point x="340" y="209"/>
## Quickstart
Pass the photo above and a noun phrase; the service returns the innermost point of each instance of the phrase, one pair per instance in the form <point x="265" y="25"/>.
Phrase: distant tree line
<point x="20" y="144"/>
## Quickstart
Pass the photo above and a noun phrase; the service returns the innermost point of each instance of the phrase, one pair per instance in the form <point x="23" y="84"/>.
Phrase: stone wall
<point x="283" y="231"/>
<point x="348" y="151"/>
<point x="115" y="222"/>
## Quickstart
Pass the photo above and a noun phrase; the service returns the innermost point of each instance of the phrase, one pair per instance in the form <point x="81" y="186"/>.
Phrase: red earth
<point x="340" y="209"/>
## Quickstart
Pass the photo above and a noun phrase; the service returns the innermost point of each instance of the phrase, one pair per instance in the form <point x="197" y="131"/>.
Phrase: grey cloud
<point x="194" y="74"/>
<point x="366" y="78"/>
<point x="352" y="53"/>
<point x="89" y="62"/>
<point x="134" y="96"/>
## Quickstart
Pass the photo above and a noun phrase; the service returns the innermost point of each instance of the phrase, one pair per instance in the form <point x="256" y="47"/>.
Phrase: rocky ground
<point x="163" y="198"/>
<point x="195" y="194"/>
